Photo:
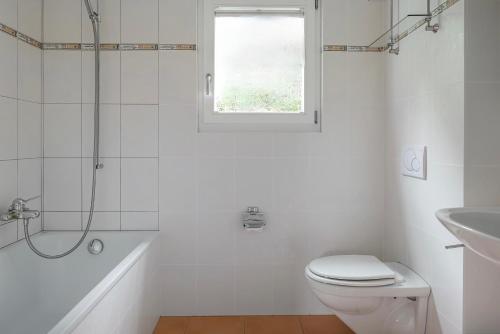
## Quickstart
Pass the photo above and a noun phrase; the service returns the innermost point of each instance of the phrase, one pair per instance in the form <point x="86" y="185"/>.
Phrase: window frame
<point x="307" y="121"/>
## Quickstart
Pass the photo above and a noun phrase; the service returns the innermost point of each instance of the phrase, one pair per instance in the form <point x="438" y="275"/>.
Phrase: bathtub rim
<point x="77" y="314"/>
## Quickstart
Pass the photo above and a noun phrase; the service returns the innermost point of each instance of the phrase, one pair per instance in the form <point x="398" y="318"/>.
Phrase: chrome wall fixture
<point x="430" y="27"/>
<point x="253" y="219"/>
<point x="392" y="49"/>
<point x="389" y="40"/>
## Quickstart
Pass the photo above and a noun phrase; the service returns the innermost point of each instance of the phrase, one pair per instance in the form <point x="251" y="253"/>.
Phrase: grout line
<point x="81" y="123"/>
<point x="20" y="99"/>
<point x="158" y="114"/>
<point x="42" y="125"/>
<point x="120" y="119"/>
<point x="17" y="120"/>
<point x="98" y="211"/>
<point x="300" y="323"/>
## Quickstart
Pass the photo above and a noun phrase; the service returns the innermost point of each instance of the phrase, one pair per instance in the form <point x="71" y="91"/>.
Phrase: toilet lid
<point x="351" y="268"/>
<point x="367" y="283"/>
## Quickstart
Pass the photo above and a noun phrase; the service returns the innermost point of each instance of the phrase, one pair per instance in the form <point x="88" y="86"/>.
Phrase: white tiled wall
<point x="426" y="106"/>
<point x="482" y="155"/>
<point x="127" y="191"/>
<point x="20" y="112"/>
<point x="306" y="184"/>
<point x="318" y="195"/>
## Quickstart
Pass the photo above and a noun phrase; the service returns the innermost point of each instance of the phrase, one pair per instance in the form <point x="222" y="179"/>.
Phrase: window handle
<point x="208" y="84"/>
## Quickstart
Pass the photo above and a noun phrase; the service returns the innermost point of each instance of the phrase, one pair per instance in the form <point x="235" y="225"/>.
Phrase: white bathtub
<point x="113" y="292"/>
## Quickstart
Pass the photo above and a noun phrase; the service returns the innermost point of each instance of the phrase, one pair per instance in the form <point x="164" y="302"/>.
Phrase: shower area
<point x="51" y="155"/>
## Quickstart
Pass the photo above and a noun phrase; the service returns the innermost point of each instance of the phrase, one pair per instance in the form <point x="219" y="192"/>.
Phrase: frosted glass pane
<point x="259" y="64"/>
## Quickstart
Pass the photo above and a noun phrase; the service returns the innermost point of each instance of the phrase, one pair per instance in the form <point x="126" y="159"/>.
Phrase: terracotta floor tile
<point x="324" y="325"/>
<point x="172" y="325"/>
<point x="216" y="325"/>
<point x="272" y="325"/>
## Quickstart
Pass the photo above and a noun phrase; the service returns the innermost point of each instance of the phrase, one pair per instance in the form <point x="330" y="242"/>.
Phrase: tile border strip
<point x="8" y="30"/>
<point x="192" y="47"/>
<point x="352" y="48"/>
<point x="120" y="47"/>
<point x="20" y="36"/>
<point x="29" y="40"/>
<point x="89" y="46"/>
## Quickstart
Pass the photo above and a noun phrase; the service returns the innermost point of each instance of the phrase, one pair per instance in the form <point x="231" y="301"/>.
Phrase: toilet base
<point x="393" y="316"/>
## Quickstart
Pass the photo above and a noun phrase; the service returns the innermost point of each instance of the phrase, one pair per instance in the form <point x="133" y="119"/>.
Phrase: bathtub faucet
<point x="19" y="210"/>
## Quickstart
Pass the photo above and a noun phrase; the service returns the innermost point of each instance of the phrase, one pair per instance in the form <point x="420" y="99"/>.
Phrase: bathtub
<point x="113" y="292"/>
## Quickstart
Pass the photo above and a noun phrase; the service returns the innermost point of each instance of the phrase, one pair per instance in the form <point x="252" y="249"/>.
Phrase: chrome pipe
<point x="392" y="23"/>
<point x="430" y="27"/>
<point x="392" y="49"/>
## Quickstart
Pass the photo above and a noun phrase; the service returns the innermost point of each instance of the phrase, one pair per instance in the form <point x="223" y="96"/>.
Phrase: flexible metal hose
<point x="96" y="164"/>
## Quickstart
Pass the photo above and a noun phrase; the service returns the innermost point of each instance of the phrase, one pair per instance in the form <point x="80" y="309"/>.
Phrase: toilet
<point x="370" y="296"/>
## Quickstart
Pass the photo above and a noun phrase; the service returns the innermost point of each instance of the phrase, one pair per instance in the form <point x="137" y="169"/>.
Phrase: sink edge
<point x="443" y="216"/>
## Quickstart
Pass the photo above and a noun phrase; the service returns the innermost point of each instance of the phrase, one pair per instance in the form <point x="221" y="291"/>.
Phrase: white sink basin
<point x="477" y="228"/>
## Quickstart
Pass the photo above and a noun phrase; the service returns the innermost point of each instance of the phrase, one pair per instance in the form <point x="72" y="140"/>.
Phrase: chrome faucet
<point x="19" y="210"/>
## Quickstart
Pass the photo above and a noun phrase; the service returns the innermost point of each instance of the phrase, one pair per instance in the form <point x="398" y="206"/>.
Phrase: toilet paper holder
<point x="253" y="219"/>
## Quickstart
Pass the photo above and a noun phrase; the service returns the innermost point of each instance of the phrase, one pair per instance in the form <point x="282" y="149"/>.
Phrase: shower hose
<point x="94" y="18"/>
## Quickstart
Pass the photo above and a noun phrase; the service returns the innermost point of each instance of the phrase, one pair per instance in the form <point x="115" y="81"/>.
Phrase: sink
<point x="477" y="228"/>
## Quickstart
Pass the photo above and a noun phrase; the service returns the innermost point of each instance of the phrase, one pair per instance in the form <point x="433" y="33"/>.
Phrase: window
<point x="259" y="65"/>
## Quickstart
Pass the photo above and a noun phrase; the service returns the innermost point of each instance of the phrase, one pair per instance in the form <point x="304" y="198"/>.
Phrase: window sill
<point x="258" y="127"/>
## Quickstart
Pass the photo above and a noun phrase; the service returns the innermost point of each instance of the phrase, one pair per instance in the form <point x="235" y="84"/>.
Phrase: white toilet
<point x="370" y="296"/>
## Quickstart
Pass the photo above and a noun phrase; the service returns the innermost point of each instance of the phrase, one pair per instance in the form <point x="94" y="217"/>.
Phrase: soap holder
<point x="253" y="219"/>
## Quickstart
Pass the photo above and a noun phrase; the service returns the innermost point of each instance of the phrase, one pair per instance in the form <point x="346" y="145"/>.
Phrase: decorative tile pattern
<point x="8" y="30"/>
<point x="192" y="47"/>
<point x="29" y="40"/>
<point x="62" y="46"/>
<point x="120" y="47"/>
<point x="16" y="34"/>
<point x="90" y="47"/>
<point x="138" y="47"/>
<point x="177" y="47"/>
<point x="353" y="48"/>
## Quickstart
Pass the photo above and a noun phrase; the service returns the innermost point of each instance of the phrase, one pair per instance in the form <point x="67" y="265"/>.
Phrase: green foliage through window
<point x="238" y="99"/>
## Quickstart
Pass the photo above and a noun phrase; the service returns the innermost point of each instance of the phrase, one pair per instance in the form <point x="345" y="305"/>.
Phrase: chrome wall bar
<point x="398" y="38"/>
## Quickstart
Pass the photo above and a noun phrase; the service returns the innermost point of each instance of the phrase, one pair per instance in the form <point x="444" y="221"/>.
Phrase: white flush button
<point x="414" y="161"/>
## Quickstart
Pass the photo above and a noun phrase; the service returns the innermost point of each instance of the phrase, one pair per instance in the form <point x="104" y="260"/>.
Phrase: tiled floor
<point x="252" y="325"/>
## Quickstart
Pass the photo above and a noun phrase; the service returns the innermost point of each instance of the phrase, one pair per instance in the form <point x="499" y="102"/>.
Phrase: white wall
<point x="316" y="189"/>
<point x="482" y="155"/>
<point x="127" y="192"/>
<point x="20" y="111"/>
<point x="425" y="88"/>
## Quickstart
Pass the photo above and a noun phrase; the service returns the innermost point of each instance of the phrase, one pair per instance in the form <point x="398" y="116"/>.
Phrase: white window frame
<point x="307" y="121"/>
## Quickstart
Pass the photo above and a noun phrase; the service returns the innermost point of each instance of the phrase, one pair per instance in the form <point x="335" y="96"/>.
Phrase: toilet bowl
<point x="370" y="296"/>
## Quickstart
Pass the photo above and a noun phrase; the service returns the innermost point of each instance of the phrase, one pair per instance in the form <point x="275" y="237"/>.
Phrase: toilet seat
<point x="352" y="270"/>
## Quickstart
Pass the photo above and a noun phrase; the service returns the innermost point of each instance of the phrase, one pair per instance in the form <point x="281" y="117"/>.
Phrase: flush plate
<point x="414" y="162"/>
